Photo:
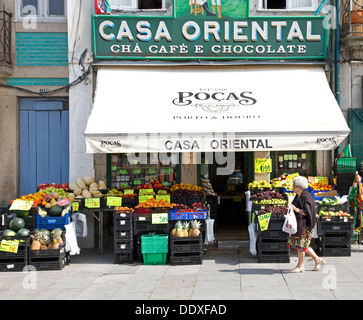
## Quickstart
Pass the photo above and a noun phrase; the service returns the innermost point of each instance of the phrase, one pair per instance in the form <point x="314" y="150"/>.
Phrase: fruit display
<point x="339" y="213"/>
<point x="259" y="185"/>
<point x="46" y="185"/>
<point x="87" y="187"/>
<point x="16" y="229"/>
<point x="187" y="187"/>
<point x="45" y="239"/>
<point x="153" y="203"/>
<point x="320" y="186"/>
<point x="267" y="195"/>
<point x="277" y="212"/>
<point x="271" y="202"/>
<point x="153" y="184"/>
<point x="186" y="229"/>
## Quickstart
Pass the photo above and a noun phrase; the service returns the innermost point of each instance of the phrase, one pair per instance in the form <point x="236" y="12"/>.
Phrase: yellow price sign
<point x="263" y="220"/>
<point x="92" y="203"/>
<point x="21" y="205"/>
<point x="75" y="206"/>
<point x="114" y="201"/>
<point x="263" y="165"/>
<point x="9" y="246"/>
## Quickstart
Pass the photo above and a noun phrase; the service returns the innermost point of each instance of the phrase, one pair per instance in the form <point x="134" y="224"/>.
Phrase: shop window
<point x="41" y="10"/>
<point x="138" y="4"/>
<point x="302" y="162"/>
<point x="289" y="4"/>
<point x="131" y="170"/>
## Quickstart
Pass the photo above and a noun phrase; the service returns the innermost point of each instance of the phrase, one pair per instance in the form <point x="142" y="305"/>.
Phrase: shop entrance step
<point x="232" y="244"/>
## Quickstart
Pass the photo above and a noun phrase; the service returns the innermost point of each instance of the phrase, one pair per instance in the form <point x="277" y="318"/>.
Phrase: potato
<point x="81" y="183"/>
<point x="93" y="185"/>
<point x="89" y="180"/>
<point x="72" y="186"/>
<point x="86" y="194"/>
<point x="77" y="191"/>
<point x="102" y="185"/>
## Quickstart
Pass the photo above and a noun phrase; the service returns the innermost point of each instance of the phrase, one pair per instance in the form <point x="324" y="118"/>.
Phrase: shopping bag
<point x="80" y="223"/>
<point x="290" y="224"/>
<point x="253" y="238"/>
<point x="209" y="235"/>
<point x="301" y="227"/>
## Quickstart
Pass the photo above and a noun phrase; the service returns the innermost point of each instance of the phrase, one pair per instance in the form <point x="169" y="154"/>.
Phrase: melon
<point x="21" y="213"/>
<point x="55" y="211"/>
<point x="16" y="224"/>
<point x="23" y="232"/>
<point x="8" y="233"/>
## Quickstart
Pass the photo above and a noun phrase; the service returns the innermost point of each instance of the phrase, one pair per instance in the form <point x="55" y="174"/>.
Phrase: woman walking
<point x="304" y="205"/>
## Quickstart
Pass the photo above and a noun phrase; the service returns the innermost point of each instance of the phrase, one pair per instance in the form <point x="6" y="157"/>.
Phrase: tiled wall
<point x="41" y="49"/>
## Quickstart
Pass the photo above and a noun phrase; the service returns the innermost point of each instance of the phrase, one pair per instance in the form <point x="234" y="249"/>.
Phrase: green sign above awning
<point x="189" y="36"/>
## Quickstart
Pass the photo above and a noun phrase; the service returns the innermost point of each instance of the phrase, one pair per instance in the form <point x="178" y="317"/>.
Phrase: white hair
<point x="300" y="182"/>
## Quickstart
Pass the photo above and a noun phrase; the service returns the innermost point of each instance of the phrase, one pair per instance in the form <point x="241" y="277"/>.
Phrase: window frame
<point x="288" y="8"/>
<point x="135" y="7"/>
<point x="43" y="12"/>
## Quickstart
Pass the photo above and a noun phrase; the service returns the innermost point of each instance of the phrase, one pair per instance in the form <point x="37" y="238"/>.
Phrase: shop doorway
<point x="43" y="142"/>
<point x="228" y="175"/>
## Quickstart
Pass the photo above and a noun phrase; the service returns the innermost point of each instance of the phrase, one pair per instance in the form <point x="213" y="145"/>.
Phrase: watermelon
<point x="23" y="232"/>
<point x="55" y="211"/>
<point x="21" y="213"/>
<point x="8" y="233"/>
<point x="16" y="224"/>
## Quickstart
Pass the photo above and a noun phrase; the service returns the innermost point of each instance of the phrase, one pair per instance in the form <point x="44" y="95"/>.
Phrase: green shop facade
<point x="201" y="90"/>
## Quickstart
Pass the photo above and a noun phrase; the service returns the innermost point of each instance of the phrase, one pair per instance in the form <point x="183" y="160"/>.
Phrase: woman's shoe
<point x="298" y="270"/>
<point x="319" y="264"/>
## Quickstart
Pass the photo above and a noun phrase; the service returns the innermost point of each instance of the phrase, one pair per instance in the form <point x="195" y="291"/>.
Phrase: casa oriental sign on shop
<point x="118" y="37"/>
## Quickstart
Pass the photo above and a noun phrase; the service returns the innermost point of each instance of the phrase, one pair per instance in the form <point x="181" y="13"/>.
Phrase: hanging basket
<point x="356" y="17"/>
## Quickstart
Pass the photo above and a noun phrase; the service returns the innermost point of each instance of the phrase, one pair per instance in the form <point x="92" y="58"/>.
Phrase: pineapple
<point x="179" y="229"/>
<point x="194" y="230"/>
<point x="186" y="228"/>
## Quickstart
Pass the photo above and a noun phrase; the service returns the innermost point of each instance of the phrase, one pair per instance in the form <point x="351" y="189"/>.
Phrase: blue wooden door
<point x="44" y="143"/>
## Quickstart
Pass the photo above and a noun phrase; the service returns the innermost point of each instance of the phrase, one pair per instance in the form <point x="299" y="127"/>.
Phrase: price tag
<point x="123" y="171"/>
<point x="9" y="246"/>
<point x="263" y="165"/>
<point x="163" y="197"/>
<point x="114" y="201"/>
<point x="137" y="171"/>
<point x="144" y="198"/>
<point x="92" y="203"/>
<point x="151" y="171"/>
<point x="164" y="183"/>
<point x="113" y="168"/>
<point x="75" y="206"/>
<point x="263" y="220"/>
<point x="129" y="191"/>
<point x="145" y="192"/>
<point x="159" y="218"/>
<point x="124" y="184"/>
<point x="137" y="182"/>
<point x="21" y="205"/>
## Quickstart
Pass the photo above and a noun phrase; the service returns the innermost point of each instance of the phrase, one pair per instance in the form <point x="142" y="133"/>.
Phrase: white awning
<point x="213" y="108"/>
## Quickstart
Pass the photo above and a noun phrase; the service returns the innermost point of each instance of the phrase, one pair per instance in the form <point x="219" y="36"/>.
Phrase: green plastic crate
<point x="154" y="258"/>
<point x="158" y="243"/>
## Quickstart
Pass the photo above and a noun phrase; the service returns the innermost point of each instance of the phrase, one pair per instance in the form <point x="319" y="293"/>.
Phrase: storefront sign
<point x="235" y="34"/>
<point x="263" y="165"/>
